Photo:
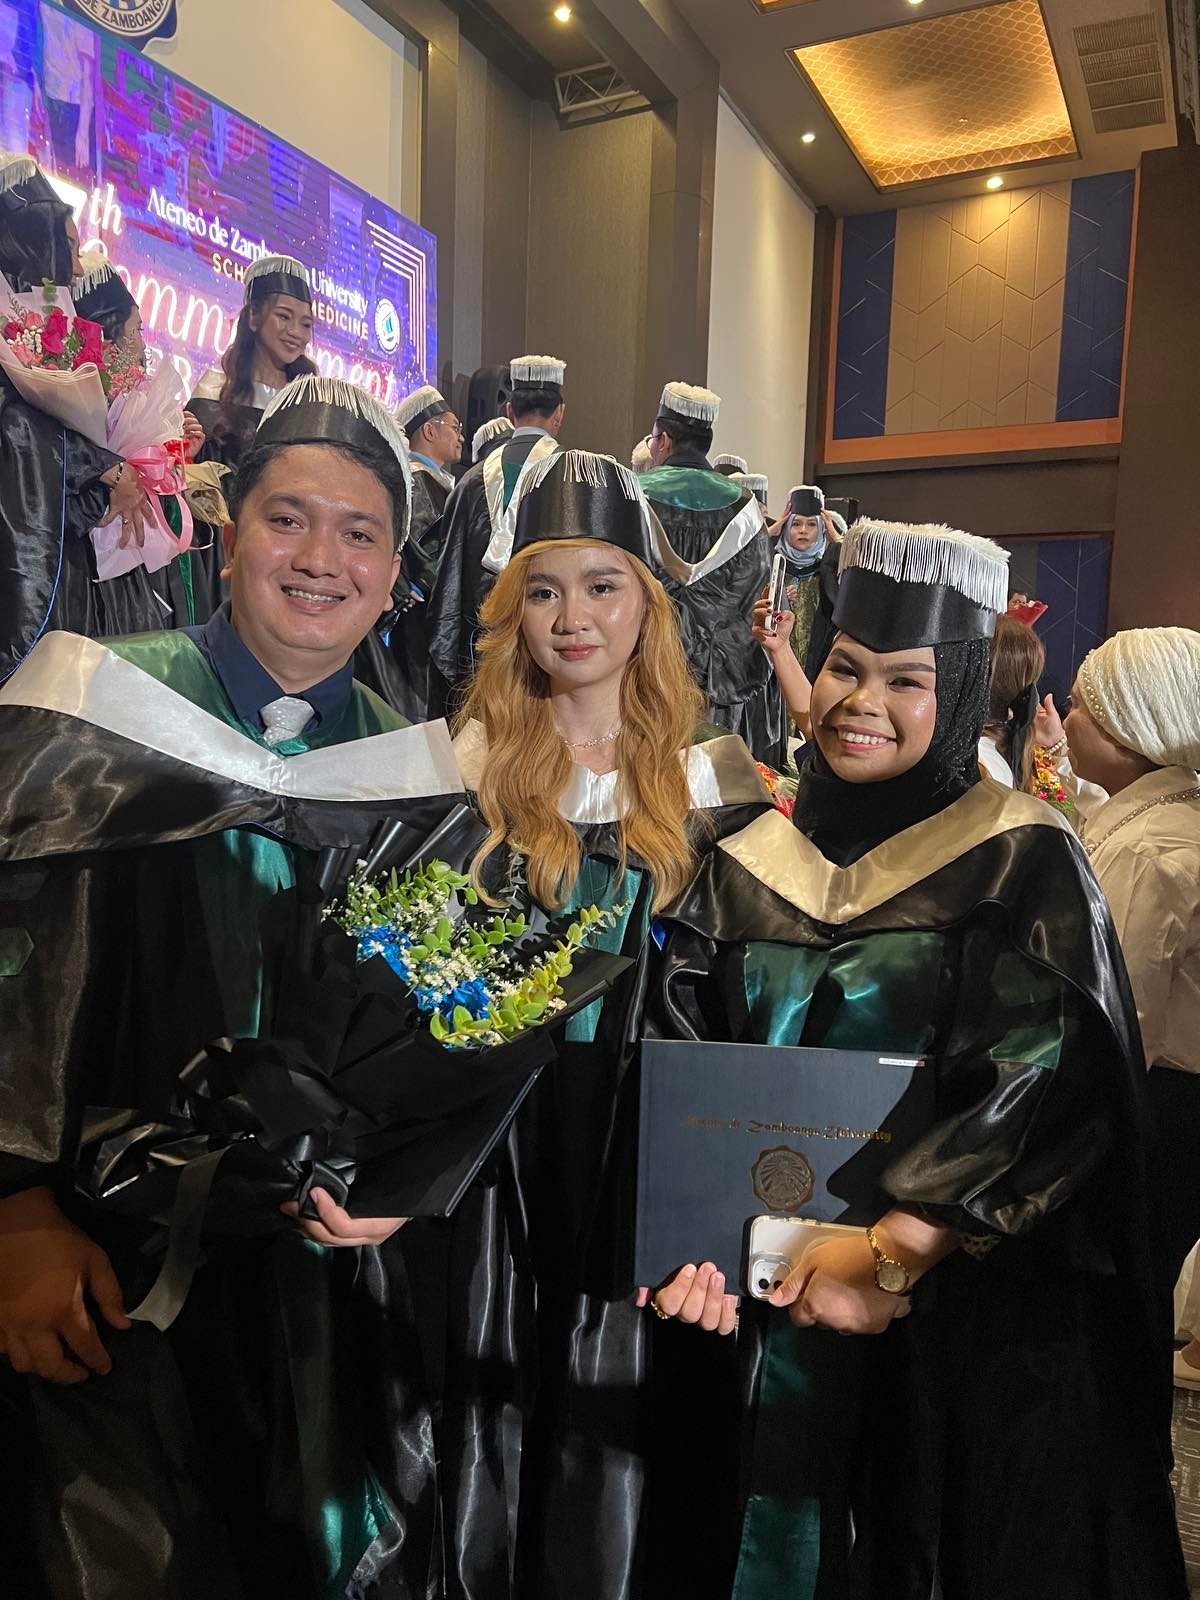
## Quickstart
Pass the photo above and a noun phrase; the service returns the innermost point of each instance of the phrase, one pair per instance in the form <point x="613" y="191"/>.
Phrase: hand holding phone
<point x="778" y="592"/>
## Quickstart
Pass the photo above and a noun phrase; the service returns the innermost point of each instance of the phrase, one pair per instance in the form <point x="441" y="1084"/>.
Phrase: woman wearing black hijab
<point x="55" y="484"/>
<point x="1010" y="1436"/>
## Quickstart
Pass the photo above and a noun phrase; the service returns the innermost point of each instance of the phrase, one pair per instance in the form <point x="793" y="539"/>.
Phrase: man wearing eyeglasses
<point x="435" y="444"/>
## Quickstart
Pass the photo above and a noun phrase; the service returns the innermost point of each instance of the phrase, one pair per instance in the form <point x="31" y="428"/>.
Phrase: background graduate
<point x="716" y="527"/>
<point x="477" y="525"/>
<point x="1010" y="1435"/>
<point x="163" y="800"/>
<point x="66" y="485"/>
<point x="581" y="739"/>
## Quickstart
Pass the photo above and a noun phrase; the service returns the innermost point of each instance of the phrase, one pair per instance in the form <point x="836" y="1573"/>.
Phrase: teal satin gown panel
<point x="879" y="993"/>
<point x="603" y="884"/>
<point x="918" y="993"/>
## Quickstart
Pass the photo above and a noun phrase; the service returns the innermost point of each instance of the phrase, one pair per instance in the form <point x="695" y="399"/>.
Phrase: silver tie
<point x="284" y="719"/>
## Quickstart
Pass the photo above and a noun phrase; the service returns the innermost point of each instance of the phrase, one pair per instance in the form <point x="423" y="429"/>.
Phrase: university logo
<point x="134" y="21"/>
<point x="387" y="326"/>
<point x="782" y="1179"/>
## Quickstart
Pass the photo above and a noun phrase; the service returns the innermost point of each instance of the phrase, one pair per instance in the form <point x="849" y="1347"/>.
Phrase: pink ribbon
<point x="158" y="473"/>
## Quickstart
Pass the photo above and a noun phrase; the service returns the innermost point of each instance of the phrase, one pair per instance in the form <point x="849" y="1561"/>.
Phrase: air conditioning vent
<point x="1142" y="114"/>
<point x="1122" y="65"/>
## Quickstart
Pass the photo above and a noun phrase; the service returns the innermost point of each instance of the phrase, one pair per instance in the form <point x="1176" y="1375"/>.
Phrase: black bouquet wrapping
<point x="348" y="1091"/>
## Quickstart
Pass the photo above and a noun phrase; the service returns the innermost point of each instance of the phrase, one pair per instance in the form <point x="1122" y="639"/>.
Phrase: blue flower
<point x="473" y="994"/>
<point x="388" y="942"/>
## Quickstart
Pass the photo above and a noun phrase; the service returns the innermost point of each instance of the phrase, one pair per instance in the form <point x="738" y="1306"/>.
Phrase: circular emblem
<point x="782" y="1179"/>
<point x="387" y="326"/>
<point x="137" y="20"/>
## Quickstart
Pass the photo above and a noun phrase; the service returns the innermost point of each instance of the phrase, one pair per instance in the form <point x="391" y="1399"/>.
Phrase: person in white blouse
<point x="1134" y="729"/>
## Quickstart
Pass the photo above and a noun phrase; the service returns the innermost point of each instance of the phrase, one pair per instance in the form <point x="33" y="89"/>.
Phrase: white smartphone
<point x="778" y="592"/>
<point x="778" y="1243"/>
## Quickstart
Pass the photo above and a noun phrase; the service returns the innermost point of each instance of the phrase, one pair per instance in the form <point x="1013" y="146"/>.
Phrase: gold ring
<point x="663" y="1316"/>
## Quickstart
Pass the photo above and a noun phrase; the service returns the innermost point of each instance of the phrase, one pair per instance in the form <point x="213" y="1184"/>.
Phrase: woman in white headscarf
<point x="1134" y="729"/>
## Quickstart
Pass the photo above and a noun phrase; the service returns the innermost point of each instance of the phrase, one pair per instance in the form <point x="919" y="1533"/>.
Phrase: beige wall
<point x="589" y="222"/>
<point x="977" y="298"/>
<point x="327" y="75"/>
<point x="759" y="313"/>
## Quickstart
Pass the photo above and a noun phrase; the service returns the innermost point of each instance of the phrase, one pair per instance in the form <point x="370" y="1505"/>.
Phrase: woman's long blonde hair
<point x="527" y="765"/>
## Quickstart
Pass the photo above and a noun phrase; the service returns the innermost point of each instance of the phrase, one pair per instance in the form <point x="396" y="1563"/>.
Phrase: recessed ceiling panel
<point x="946" y="96"/>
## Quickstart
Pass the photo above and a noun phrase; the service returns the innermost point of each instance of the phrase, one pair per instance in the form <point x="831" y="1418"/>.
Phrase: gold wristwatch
<point x="892" y="1276"/>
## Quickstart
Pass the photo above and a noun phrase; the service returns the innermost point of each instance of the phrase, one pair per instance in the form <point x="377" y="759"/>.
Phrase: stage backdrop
<point x="184" y="194"/>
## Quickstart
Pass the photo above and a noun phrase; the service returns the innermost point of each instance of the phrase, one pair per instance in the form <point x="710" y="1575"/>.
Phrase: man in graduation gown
<point x="163" y="799"/>
<point x="716" y="527"/>
<point x="435" y="444"/>
<point x="477" y="525"/>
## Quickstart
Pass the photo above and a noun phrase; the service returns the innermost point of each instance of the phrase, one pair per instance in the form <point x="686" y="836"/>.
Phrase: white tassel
<point x="419" y="400"/>
<point x="287" y="265"/>
<point x="930" y="553"/>
<point x="739" y="462"/>
<point x="489" y="431"/>
<point x="688" y="400"/>
<point x="808" y="488"/>
<point x="583" y="466"/>
<point x="754" y="482"/>
<point x="94" y="277"/>
<point x="15" y="170"/>
<point x="537" y="369"/>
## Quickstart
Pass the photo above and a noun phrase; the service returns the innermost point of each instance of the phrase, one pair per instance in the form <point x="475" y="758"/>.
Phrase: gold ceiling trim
<point x="945" y="96"/>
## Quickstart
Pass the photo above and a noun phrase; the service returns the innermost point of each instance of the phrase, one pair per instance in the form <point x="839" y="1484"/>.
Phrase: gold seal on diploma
<point x="782" y="1179"/>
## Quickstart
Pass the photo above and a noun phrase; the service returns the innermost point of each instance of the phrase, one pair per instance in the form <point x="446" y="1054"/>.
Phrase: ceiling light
<point x="562" y="13"/>
<point x="807" y="138"/>
<point x="916" y="2"/>
<point x="995" y="181"/>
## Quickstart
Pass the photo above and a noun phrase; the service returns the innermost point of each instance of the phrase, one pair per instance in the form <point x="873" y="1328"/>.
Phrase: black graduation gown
<point x="187" y="1473"/>
<point x="408" y="637"/>
<point x="1010" y="1437"/>
<point x="462" y="581"/>
<point x="559" y="1472"/>
<point x="714" y="615"/>
<point x="51" y="498"/>
<point x="822" y="632"/>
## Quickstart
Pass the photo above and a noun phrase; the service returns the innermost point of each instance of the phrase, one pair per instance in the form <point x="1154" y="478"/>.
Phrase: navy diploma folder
<point x="729" y="1132"/>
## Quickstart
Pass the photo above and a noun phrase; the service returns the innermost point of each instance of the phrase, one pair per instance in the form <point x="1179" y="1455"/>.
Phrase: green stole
<point x="690" y="488"/>
<point x="240" y="875"/>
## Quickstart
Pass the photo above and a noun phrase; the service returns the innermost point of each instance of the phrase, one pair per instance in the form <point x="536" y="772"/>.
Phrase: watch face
<point x="891" y="1276"/>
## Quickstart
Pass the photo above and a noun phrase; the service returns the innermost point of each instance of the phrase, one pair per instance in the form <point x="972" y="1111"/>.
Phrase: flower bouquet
<point x="55" y="361"/>
<point x="145" y="424"/>
<point x="1048" y="785"/>
<point x="409" y="1028"/>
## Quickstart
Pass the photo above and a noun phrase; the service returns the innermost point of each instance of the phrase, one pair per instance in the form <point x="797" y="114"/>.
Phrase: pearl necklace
<point x="590" y="744"/>
<point x="1161" y="800"/>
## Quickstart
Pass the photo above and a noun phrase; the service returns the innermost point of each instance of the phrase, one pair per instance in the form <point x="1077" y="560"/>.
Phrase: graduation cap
<point x="574" y="494"/>
<point x="33" y="243"/>
<point x="731" y="466"/>
<point x="684" y="402"/>
<point x="806" y="500"/>
<point x="101" y="292"/>
<point x="535" y="374"/>
<point x="755" y="483"/>
<point x="317" y="410"/>
<point x="492" y="434"/>
<point x="903" y="585"/>
<point x="277" y="275"/>
<point x="420" y="407"/>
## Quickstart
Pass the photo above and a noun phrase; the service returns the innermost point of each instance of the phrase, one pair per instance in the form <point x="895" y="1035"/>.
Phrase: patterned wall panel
<point x="1095" y="295"/>
<point x="977" y="311"/>
<point x="997" y="311"/>
<point x="864" y="318"/>
<point x="1071" y="577"/>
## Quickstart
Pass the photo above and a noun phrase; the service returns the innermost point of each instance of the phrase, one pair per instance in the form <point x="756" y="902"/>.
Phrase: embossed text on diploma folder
<point x="733" y="1131"/>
